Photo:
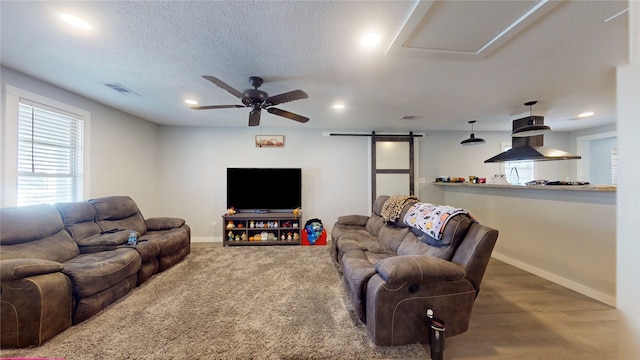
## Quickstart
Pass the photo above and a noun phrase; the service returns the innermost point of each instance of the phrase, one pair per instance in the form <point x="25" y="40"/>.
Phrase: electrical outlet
<point x="214" y="226"/>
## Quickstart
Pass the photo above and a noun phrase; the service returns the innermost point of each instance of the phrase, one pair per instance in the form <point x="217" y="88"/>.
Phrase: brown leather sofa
<point x="61" y="264"/>
<point x="393" y="274"/>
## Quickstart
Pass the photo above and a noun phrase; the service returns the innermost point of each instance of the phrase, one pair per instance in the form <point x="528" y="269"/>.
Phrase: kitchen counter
<point x="604" y="188"/>
<point x="554" y="231"/>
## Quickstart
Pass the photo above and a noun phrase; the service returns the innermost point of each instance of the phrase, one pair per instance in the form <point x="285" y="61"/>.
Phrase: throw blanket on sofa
<point x="392" y="208"/>
<point x="431" y="219"/>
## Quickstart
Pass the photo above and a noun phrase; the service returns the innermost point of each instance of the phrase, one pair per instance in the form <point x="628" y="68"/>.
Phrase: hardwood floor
<point x="522" y="316"/>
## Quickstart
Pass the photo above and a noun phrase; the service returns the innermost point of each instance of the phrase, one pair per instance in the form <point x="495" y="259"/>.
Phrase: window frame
<point x="9" y="149"/>
<point x="583" y="148"/>
<point x="506" y="145"/>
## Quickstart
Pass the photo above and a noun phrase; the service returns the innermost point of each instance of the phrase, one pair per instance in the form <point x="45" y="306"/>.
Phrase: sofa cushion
<point x="148" y="250"/>
<point x="170" y="241"/>
<point x="79" y="219"/>
<point x="366" y="242"/>
<point x="456" y="229"/>
<point x="453" y="234"/>
<point x="85" y="307"/>
<point x="391" y="236"/>
<point x="118" y="212"/>
<point x="58" y="247"/>
<point x="338" y="230"/>
<point x="23" y="224"/>
<point x="92" y="273"/>
<point x="413" y="246"/>
<point x="378" y="204"/>
<point x="357" y="270"/>
<point x="374" y="224"/>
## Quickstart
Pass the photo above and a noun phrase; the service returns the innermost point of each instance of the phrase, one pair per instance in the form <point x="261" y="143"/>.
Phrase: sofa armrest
<point x="15" y="269"/>
<point x="163" y="223"/>
<point x="417" y="269"/>
<point x="359" y="220"/>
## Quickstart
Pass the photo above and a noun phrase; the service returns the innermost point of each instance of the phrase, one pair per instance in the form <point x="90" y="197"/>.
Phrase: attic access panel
<point x="466" y="27"/>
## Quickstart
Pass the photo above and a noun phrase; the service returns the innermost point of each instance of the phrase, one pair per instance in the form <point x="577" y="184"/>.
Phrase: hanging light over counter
<point x="472" y="140"/>
<point x="535" y="125"/>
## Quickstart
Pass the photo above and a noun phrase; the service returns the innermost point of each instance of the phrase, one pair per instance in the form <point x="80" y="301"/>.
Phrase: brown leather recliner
<point x="61" y="264"/>
<point x="104" y="224"/>
<point x="68" y="287"/>
<point x="394" y="275"/>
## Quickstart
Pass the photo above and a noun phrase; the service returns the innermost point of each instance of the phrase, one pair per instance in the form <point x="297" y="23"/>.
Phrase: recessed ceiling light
<point x="191" y="102"/>
<point x="586" y="114"/>
<point x="370" y="40"/>
<point x="338" y="106"/>
<point x="75" y="21"/>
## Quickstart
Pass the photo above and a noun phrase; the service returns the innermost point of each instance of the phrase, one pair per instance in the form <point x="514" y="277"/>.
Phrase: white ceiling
<point x="430" y="63"/>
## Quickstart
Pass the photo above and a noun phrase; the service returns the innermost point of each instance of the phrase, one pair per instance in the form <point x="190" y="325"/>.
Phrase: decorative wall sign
<point x="270" y="141"/>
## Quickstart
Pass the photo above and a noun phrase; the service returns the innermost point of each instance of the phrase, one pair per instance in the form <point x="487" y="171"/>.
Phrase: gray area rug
<point x="273" y="302"/>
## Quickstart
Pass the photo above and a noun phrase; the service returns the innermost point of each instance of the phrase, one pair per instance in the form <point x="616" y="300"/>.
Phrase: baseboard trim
<point x="205" y="239"/>
<point x="577" y="287"/>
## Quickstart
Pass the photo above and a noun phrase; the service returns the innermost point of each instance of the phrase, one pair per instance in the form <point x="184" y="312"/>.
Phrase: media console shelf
<point x="256" y="229"/>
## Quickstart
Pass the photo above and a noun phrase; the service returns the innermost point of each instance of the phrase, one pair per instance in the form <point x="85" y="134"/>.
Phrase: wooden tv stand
<point x="248" y="229"/>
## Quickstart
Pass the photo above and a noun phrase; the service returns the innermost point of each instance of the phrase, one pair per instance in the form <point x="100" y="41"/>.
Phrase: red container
<point x="322" y="240"/>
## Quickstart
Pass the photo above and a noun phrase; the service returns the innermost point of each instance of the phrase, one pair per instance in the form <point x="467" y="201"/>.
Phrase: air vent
<point x="122" y="89"/>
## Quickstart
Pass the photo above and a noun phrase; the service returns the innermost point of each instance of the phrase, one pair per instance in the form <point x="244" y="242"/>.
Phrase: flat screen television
<point x="264" y="189"/>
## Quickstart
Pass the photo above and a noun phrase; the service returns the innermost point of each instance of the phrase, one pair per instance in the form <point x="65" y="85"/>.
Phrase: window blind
<point x="50" y="148"/>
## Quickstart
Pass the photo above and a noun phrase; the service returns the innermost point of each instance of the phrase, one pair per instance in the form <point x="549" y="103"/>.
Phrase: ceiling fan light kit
<point x="257" y="100"/>
<point x="472" y="140"/>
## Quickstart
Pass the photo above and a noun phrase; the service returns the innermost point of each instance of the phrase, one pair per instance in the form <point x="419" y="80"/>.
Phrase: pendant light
<point x="532" y="128"/>
<point x="472" y="140"/>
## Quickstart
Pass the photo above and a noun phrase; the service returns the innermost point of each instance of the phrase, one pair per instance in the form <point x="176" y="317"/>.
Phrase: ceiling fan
<point x="257" y="100"/>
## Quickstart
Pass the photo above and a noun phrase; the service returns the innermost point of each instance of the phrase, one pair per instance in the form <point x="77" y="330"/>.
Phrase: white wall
<point x="628" y="260"/>
<point x="192" y="173"/>
<point x="568" y="237"/>
<point x="123" y="148"/>
<point x="442" y="155"/>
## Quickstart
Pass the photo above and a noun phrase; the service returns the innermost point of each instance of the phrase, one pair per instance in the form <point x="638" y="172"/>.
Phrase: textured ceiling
<point x="565" y="58"/>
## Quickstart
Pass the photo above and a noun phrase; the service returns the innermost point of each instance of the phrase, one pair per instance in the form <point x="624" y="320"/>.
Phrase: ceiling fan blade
<point x="254" y="117"/>
<point x="285" y="97"/>
<point x="288" y="115"/>
<point x="223" y="85"/>
<point x="207" y="107"/>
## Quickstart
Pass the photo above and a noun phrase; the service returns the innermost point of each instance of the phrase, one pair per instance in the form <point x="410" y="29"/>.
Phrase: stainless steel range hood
<point x="530" y="147"/>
